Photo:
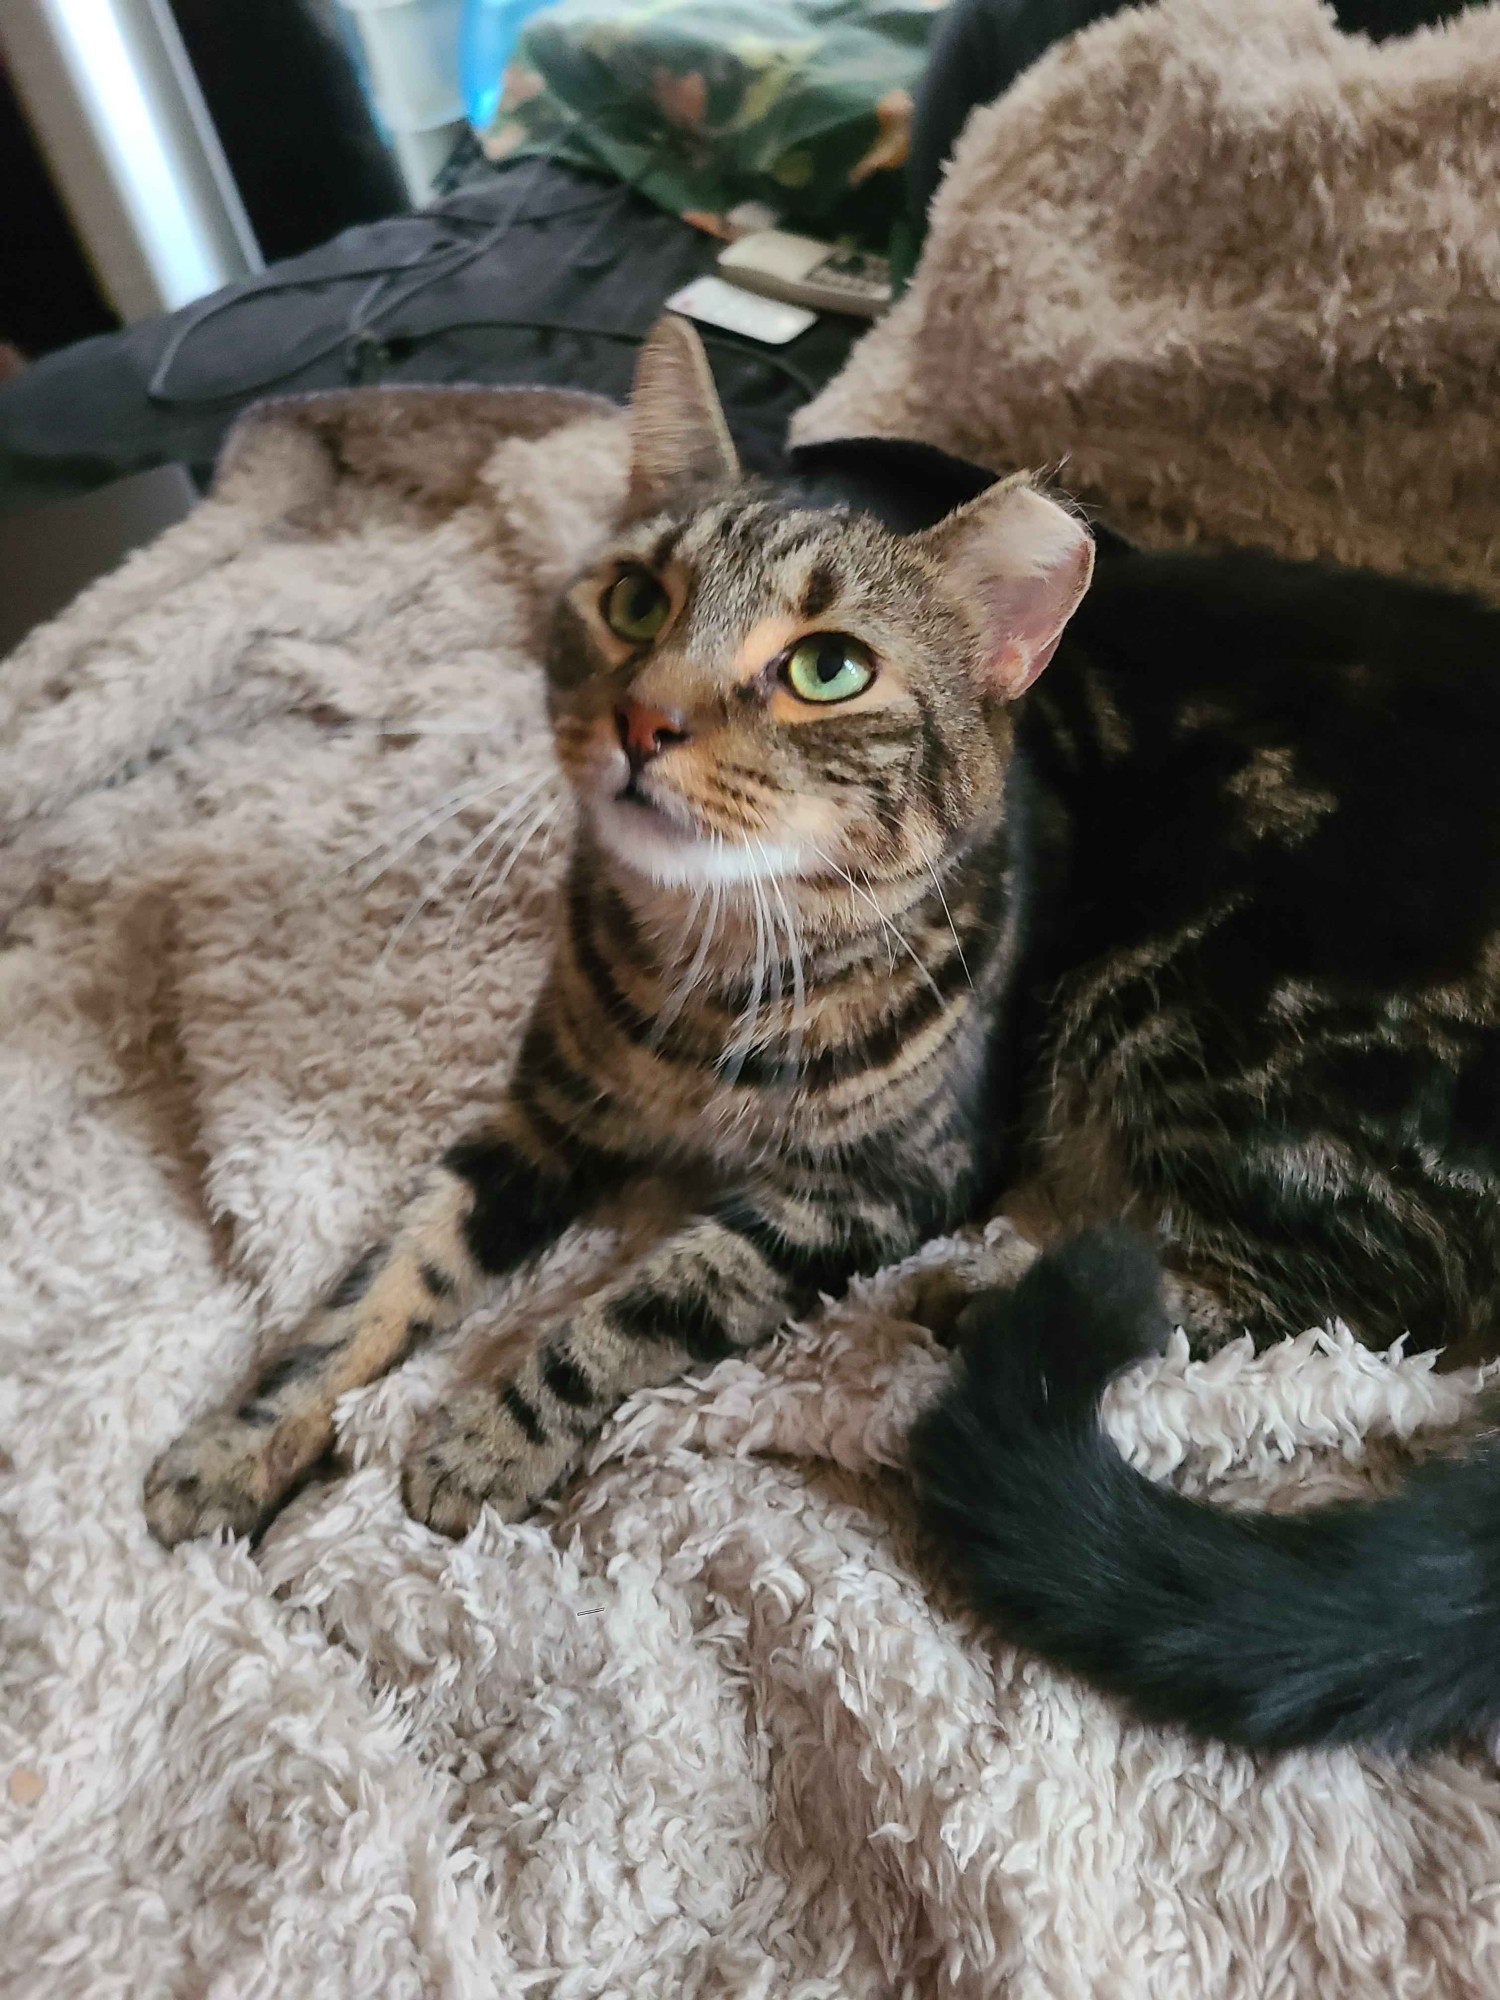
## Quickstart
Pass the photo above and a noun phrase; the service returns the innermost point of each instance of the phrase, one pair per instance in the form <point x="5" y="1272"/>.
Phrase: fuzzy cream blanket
<point x="709" y="1725"/>
<point x="1229" y="273"/>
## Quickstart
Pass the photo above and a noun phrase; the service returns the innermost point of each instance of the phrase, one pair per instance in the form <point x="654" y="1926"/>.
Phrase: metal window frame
<point x="117" y="111"/>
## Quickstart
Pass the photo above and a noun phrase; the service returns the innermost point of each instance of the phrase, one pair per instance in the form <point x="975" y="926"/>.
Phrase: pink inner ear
<point x="1025" y="616"/>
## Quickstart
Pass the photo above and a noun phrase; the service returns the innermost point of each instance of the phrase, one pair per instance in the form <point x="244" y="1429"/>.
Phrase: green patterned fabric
<point x="804" y="105"/>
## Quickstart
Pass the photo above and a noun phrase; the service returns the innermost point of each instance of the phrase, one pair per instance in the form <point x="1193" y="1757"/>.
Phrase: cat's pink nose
<point x="645" y="732"/>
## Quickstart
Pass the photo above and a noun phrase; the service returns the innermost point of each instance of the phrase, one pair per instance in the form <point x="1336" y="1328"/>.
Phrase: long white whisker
<point x="431" y="894"/>
<point x="685" y="986"/>
<point x="900" y="937"/>
<point x="744" y="1038"/>
<point x="427" y="819"/>
<point x="937" y="884"/>
<point x="491" y="826"/>
<point x="758" y="883"/>
<point x="540" y="816"/>
<point x="394" y="844"/>
<point x="455" y="924"/>
<point x="762" y="953"/>
<point x="856" y="890"/>
<point x="544" y="815"/>
<point x="392" y="725"/>
<point x="434" y="889"/>
<point x="773" y="946"/>
<point x="553" y="821"/>
<point x="799" y="990"/>
<point x="890" y="929"/>
<point x="685" y="929"/>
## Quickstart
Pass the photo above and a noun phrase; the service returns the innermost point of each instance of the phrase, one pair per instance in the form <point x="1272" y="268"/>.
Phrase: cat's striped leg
<point x="496" y="1199"/>
<point x="716" y="1288"/>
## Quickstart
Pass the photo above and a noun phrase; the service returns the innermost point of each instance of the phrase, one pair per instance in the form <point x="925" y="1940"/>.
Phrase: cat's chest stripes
<point x="823" y="1048"/>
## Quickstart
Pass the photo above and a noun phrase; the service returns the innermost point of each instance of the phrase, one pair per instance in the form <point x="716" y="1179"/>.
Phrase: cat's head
<point x="743" y="686"/>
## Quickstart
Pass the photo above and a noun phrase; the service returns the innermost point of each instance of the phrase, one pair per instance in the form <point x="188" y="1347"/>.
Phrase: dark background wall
<point x="292" y="118"/>
<point x="47" y="291"/>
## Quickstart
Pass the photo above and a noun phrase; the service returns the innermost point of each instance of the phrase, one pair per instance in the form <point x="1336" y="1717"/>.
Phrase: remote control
<point x="806" y="272"/>
<point x="717" y="304"/>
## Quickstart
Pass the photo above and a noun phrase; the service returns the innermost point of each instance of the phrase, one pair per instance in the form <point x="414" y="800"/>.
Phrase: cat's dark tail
<point x="1372" y="1623"/>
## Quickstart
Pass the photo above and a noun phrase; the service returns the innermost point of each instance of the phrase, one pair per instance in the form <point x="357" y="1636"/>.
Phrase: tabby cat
<point x="1203" y="934"/>
<point x="800" y="724"/>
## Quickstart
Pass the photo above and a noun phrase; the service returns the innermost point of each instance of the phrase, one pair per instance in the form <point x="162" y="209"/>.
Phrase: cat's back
<point x="1273" y="978"/>
<point x="1320" y="742"/>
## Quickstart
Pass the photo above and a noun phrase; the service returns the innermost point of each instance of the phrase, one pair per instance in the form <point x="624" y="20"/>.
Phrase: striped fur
<point x="786" y="946"/>
<point x="1224" y="894"/>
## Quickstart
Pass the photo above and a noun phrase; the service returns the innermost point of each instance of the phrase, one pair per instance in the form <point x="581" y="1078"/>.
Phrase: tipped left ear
<point x="679" y="441"/>
<point x="1021" y="564"/>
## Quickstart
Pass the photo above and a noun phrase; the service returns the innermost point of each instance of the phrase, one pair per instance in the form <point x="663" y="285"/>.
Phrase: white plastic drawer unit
<point x="412" y="55"/>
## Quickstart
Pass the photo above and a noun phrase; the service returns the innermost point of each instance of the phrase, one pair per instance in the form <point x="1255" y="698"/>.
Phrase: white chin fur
<point x="674" y="857"/>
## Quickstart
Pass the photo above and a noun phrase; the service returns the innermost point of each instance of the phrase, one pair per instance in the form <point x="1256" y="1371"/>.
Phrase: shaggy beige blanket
<point x="709" y="1725"/>
<point x="1230" y="273"/>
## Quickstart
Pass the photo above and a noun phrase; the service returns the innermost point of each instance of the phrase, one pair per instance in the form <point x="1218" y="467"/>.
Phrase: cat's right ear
<point x="1020" y="564"/>
<point x="679" y="442"/>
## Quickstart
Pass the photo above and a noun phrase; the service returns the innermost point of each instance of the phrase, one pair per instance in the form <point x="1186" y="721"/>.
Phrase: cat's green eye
<point x="635" y="607"/>
<point x="829" y="666"/>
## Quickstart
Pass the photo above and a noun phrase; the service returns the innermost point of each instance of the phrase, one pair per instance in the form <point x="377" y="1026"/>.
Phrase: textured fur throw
<point x="1235" y="274"/>
<point x="706" y="1726"/>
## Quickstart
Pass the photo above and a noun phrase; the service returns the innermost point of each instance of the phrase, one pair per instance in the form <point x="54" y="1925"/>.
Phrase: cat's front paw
<point x="471" y="1453"/>
<point x="935" y="1298"/>
<point x="217" y="1475"/>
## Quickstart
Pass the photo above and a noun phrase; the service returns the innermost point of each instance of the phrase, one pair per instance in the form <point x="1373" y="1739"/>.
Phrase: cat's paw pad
<point x="217" y="1475"/>
<point x="468" y="1454"/>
